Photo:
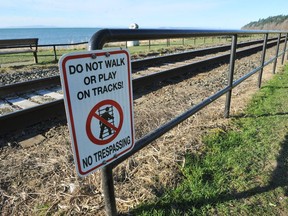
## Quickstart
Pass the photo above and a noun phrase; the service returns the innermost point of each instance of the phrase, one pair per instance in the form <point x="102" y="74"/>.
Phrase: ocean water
<point x="50" y="35"/>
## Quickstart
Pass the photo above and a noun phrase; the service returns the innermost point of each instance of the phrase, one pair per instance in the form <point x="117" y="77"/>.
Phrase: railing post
<point x="284" y="50"/>
<point x="262" y="59"/>
<point x="230" y="76"/>
<point x="55" y="55"/>
<point x="287" y="50"/>
<point x="276" y="56"/>
<point x="108" y="191"/>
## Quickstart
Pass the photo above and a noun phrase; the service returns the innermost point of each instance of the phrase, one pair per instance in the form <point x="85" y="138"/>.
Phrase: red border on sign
<point x="70" y="113"/>
<point x="92" y="114"/>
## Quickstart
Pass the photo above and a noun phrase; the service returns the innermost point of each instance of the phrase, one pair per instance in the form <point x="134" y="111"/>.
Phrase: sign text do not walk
<point x="98" y="99"/>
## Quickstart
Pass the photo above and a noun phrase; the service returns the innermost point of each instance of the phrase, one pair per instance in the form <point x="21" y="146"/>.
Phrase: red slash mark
<point x="93" y="114"/>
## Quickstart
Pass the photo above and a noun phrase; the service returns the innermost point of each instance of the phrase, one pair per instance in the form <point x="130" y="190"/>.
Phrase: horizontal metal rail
<point x="55" y="80"/>
<point x="21" y="116"/>
<point x="19" y="119"/>
<point x="194" y="67"/>
<point x="191" y="54"/>
<point x="103" y="36"/>
<point x="29" y="85"/>
<point x="62" y="44"/>
<point x="113" y="35"/>
<point x="145" y="140"/>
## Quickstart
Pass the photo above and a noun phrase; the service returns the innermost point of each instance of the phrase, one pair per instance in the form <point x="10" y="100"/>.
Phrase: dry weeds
<point x="41" y="180"/>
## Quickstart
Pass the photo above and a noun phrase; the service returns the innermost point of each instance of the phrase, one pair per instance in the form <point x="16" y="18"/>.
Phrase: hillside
<point x="271" y="23"/>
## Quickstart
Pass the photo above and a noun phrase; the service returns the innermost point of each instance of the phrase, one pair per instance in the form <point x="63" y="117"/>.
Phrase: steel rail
<point x="191" y="54"/>
<point x="30" y="116"/>
<point x="55" y="80"/>
<point x="27" y="117"/>
<point x="29" y="85"/>
<point x="194" y="67"/>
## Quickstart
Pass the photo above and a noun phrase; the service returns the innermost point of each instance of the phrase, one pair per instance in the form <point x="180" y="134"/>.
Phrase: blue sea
<point x="50" y="35"/>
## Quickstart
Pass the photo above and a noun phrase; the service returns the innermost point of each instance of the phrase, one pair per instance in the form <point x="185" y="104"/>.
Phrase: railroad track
<point x="24" y="104"/>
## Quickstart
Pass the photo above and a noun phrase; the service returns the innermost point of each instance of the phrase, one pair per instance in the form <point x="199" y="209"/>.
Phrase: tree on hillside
<point x="271" y="23"/>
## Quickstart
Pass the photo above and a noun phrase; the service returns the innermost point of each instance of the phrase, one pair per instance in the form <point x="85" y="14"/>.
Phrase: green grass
<point x="44" y="56"/>
<point x="243" y="171"/>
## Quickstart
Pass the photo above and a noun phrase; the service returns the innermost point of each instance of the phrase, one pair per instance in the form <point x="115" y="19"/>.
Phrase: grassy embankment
<point x="243" y="171"/>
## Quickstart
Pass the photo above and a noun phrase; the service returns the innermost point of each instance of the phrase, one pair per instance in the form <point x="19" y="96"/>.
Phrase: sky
<point x="212" y="14"/>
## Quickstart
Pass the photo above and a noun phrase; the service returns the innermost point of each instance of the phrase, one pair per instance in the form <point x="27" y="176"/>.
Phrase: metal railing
<point x="60" y="45"/>
<point x="103" y="36"/>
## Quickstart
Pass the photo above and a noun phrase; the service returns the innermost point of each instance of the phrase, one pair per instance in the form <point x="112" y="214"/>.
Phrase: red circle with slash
<point x="93" y="114"/>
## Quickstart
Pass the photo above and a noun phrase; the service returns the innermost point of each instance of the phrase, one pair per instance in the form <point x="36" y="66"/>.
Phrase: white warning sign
<point x="98" y="99"/>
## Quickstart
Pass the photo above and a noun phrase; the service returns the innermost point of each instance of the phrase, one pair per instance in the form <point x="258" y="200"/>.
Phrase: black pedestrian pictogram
<point x="108" y="116"/>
